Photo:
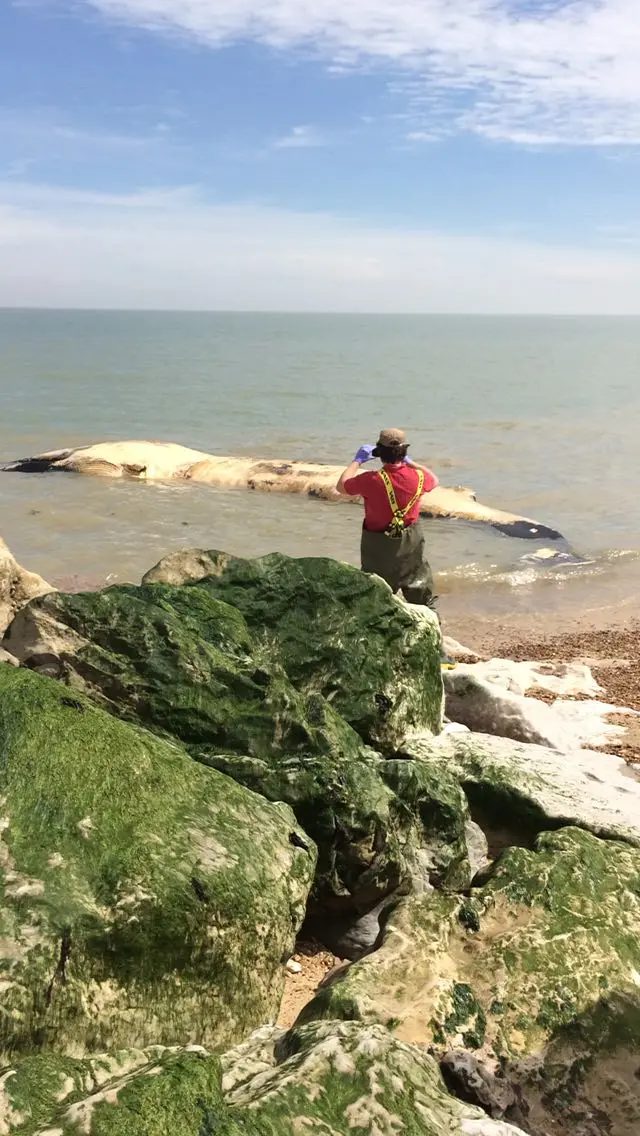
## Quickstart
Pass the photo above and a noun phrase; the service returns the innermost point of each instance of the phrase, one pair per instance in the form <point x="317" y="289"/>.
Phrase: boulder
<point x="343" y="1077"/>
<point x="145" y="898"/>
<point x="585" y="1082"/>
<point x="17" y="586"/>
<point x="126" y="1093"/>
<point x="517" y="791"/>
<point x="185" y="663"/>
<point x="565" y="680"/>
<point x="336" y="1079"/>
<point x="514" y="967"/>
<point x="336" y="632"/>
<point x="131" y="1092"/>
<point x="588" y="722"/>
<point x="490" y="698"/>
<point x="488" y="708"/>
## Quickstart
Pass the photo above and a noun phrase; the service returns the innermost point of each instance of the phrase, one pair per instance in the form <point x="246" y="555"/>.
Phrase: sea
<point x="540" y="416"/>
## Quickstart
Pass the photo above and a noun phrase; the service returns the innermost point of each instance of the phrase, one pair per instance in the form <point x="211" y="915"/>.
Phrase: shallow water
<point x="539" y="416"/>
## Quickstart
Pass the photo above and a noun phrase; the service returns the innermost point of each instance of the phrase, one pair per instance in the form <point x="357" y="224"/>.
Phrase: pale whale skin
<point x="167" y="461"/>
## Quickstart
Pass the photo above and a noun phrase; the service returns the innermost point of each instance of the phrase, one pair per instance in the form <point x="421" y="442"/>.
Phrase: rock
<point x="133" y="1092"/>
<point x="455" y="728"/>
<point x="517" y="791"/>
<point x="336" y="632"/>
<point x="186" y="566"/>
<point x="516" y="965"/>
<point x="184" y="663"/>
<point x="17" y="586"/>
<point x="586" y="1081"/>
<point x="342" y="1077"/>
<point x="5" y="657"/>
<point x="473" y="1081"/>
<point x="588" y="723"/>
<point x="358" y="936"/>
<point x="485" y="707"/>
<point x="477" y="847"/>
<point x="490" y="698"/>
<point x="332" y="1078"/>
<point x="562" y="679"/>
<point x="457" y="651"/>
<point x="145" y="898"/>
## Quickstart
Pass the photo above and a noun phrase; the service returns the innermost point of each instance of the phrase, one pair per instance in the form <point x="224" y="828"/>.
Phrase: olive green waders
<point x="401" y="561"/>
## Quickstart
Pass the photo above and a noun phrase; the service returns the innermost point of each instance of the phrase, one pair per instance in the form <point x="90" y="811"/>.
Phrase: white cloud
<point x="546" y="71"/>
<point x="44" y="128"/>
<point x="171" y="249"/>
<point x="301" y="138"/>
<point x="422" y="136"/>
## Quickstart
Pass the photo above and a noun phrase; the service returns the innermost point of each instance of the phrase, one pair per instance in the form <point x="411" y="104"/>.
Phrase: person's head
<point x="391" y="447"/>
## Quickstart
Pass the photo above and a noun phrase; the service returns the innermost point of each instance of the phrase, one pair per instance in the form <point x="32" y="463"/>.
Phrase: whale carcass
<point x="167" y="461"/>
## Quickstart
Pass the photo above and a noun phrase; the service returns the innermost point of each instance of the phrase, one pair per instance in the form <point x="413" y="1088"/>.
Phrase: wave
<point x="545" y="565"/>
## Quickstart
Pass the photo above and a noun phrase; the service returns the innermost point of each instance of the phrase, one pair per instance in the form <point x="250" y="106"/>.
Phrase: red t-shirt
<point x="371" y="487"/>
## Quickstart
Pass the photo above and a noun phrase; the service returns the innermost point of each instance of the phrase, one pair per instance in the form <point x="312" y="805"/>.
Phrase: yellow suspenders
<point x="397" y="525"/>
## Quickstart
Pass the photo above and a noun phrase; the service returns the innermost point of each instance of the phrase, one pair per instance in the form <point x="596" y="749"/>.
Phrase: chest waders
<point x="397" y="525"/>
<point x="398" y="553"/>
<point x="401" y="560"/>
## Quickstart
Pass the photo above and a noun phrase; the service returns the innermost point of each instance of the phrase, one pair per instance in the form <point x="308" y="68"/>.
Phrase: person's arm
<point x="351" y="471"/>
<point x="430" y="479"/>
<point x="364" y="454"/>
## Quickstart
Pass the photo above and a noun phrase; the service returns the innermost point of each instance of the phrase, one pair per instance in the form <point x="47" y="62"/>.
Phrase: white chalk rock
<point x="487" y="708"/>
<point x="17" y="586"/>
<point x="519" y="783"/>
<point x="562" y="679"/>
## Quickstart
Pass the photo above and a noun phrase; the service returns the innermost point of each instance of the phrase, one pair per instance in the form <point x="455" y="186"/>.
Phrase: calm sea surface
<point x="540" y="416"/>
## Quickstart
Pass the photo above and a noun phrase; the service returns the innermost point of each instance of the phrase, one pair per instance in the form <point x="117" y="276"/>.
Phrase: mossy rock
<point x="145" y="898"/>
<point x="336" y="631"/>
<point x="519" y="790"/>
<point x="588" y="1069"/>
<point x="184" y="663"/>
<point x="341" y="1078"/>
<point x="335" y="1078"/>
<point x="551" y="934"/>
<point x="130" y="1092"/>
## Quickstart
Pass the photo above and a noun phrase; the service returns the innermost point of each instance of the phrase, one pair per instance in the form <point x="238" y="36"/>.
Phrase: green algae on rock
<point x="335" y="1078"/>
<point x="559" y="929"/>
<point x="339" y="1078"/>
<point x="336" y="631"/>
<point x="520" y="790"/>
<point x="132" y="1092"/>
<point x="184" y="663"/>
<point x="145" y="898"/>
<point x="588" y="1069"/>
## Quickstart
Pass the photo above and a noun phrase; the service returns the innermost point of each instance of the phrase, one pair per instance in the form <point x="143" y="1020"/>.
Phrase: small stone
<point x="293" y="967"/>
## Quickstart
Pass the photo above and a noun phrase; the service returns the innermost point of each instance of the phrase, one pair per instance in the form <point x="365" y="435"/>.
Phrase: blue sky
<point x="420" y="155"/>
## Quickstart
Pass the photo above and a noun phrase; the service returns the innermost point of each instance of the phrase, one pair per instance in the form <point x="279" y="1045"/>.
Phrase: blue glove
<point x="364" y="454"/>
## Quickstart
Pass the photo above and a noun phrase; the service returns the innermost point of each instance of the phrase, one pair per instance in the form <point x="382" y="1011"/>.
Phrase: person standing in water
<point x="393" y="544"/>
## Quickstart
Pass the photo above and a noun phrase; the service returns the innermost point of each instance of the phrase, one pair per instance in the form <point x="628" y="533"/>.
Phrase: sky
<point x="322" y="155"/>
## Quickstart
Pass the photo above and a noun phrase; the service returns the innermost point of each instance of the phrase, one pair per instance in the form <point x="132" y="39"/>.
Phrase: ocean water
<point x="540" y="416"/>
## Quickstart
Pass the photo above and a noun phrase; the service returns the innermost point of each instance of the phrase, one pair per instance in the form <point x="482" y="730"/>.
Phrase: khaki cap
<point x="392" y="438"/>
